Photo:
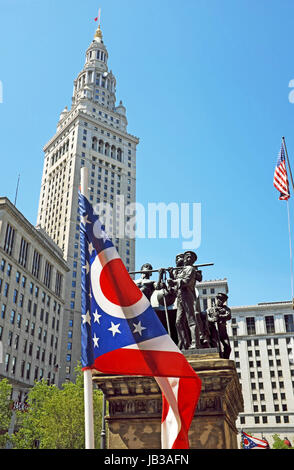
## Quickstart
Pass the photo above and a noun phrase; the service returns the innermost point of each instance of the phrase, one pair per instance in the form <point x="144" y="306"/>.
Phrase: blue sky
<point x="205" y="84"/>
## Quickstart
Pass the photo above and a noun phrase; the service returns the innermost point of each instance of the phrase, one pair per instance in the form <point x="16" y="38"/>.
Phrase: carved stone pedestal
<point x="135" y="406"/>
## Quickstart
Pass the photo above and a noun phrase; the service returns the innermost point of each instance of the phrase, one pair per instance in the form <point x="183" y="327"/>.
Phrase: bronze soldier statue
<point x="217" y="317"/>
<point x="187" y="303"/>
<point x="183" y="331"/>
<point x="145" y="284"/>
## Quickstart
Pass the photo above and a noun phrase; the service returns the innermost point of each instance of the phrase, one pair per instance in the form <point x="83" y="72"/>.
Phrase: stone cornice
<point x="38" y="234"/>
<point x="75" y="114"/>
<point x="262" y="307"/>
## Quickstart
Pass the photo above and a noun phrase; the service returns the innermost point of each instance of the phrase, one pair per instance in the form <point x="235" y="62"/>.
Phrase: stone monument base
<point x="134" y="419"/>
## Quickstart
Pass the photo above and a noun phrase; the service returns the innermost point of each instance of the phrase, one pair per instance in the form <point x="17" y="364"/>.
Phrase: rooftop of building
<point x="36" y="232"/>
<point x="264" y="306"/>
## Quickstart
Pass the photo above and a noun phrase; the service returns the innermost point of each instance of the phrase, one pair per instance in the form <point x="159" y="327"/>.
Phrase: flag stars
<point x="114" y="328"/>
<point x="138" y="328"/>
<point x="84" y="220"/>
<point x="86" y="318"/>
<point x="91" y="248"/>
<point x="97" y="317"/>
<point x="95" y="341"/>
<point x="87" y="267"/>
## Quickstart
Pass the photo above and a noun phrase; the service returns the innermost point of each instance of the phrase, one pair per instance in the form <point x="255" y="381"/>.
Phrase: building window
<point x="28" y="371"/>
<point x="58" y="284"/>
<point x="23" y="252"/>
<point x="250" y="322"/>
<point x="7" y="359"/>
<point x="36" y="264"/>
<point x="270" y="324"/>
<point x="47" y="274"/>
<point x="289" y="323"/>
<point x="15" y="295"/>
<point x="9" y="239"/>
<point x="12" y="317"/>
<point x="6" y="289"/>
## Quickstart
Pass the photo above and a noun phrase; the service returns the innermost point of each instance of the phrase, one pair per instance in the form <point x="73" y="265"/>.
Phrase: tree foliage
<point x="279" y="443"/>
<point x="5" y="411"/>
<point x="55" y="417"/>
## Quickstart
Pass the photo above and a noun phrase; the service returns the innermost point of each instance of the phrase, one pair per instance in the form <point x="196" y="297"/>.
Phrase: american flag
<point x="121" y="333"/>
<point x="250" y="442"/>
<point x="280" y="176"/>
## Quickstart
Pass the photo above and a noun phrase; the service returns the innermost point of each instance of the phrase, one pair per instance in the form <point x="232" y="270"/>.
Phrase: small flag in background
<point x="250" y="442"/>
<point x="121" y="333"/>
<point x="280" y="176"/>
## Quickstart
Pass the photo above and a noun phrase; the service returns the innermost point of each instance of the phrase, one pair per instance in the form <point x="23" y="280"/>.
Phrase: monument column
<point x="134" y="418"/>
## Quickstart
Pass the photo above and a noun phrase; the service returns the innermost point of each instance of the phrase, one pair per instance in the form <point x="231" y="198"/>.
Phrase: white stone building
<point x="209" y="289"/>
<point x="93" y="133"/>
<point x="262" y="346"/>
<point x="32" y="275"/>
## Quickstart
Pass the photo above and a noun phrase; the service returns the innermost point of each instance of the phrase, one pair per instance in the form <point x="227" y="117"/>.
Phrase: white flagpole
<point x="88" y="383"/>
<point x="289" y="226"/>
<point x="290" y="246"/>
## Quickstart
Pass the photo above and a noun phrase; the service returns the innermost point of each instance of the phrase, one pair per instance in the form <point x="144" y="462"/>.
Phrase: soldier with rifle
<point x="182" y="281"/>
<point x="217" y="317"/>
<point x="145" y="284"/>
<point x="187" y="310"/>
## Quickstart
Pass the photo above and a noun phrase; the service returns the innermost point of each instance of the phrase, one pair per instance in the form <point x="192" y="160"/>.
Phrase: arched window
<point x="106" y="152"/>
<point x="100" y="148"/>
<point x="112" y="153"/>
<point x="94" y="143"/>
<point x="119" y="155"/>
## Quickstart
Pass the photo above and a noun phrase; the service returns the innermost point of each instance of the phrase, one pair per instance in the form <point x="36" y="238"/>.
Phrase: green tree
<point x="5" y="411"/>
<point x="55" y="417"/>
<point x="279" y="443"/>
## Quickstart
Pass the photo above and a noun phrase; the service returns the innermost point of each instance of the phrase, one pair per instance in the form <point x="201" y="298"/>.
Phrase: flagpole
<point x="88" y="382"/>
<point x="290" y="247"/>
<point x="289" y="227"/>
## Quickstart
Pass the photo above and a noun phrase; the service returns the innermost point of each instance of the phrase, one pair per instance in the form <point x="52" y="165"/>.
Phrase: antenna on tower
<point x="16" y="192"/>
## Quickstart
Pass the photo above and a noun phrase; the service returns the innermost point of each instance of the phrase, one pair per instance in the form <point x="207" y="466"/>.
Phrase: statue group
<point x="196" y="328"/>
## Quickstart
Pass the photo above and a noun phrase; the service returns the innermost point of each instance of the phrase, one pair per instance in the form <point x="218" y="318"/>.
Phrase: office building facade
<point x="32" y="288"/>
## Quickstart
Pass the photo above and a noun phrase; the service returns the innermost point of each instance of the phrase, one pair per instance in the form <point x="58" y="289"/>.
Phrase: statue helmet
<point x="147" y="267"/>
<point x="222" y="296"/>
<point x="193" y="254"/>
